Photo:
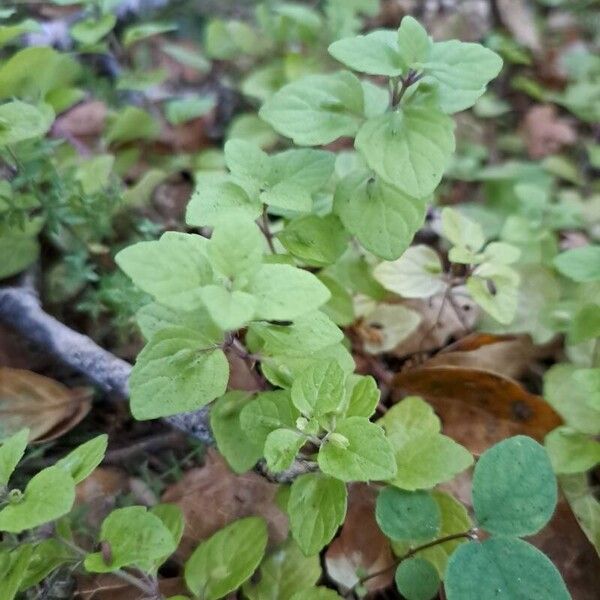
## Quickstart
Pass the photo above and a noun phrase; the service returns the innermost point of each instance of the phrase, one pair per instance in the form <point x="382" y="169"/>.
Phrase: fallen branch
<point x="20" y="308"/>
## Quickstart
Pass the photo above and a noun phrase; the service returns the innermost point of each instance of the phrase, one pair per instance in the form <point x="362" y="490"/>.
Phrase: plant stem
<point x="411" y="78"/>
<point x="265" y="229"/>
<point x="471" y="534"/>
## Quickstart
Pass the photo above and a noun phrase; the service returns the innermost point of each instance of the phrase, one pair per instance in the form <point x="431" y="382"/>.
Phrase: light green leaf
<point x="404" y="515"/>
<point x="394" y="324"/>
<point x="317" y="109"/>
<point x="80" y="462"/>
<point x="218" y="201"/>
<point x="319" y="389"/>
<point x="132" y="123"/>
<point x="48" y="555"/>
<point x="240" y="452"/>
<point x="172" y="269"/>
<point x="283" y="573"/>
<point x="249" y="164"/>
<point x="495" y="288"/>
<point x="48" y="496"/>
<point x="584" y="503"/>
<point x="514" y="488"/>
<point x="318" y="593"/>
<point x="13" y="568"/>
<point x="285" y="292"/>
<point x="21" y="121"/>
<point x="182" y="110"/>
<point x="417" y="579"/>
<point x="317" y="241"/>
<point x="301" y="339"/>
<point x="135" y="536"/>
<point x="19" y="251"/>
<point x="413" y="42"/>
<point x="316" y="508"/>
<point x="135" y="33"/>
<point x="462" y="231"/>
<point x="306" y="168"/>
<point x="416" y="274"/>
<point x="90" y="31"/>
<point x="230" y="310"/>
<point x="564" y="391"/>
<point x="364" y="396"/>
<point x="585" y="324"/>
<point x="571" y="451"/>
<point x="409" y="148"/>
<point x="375" y="53"/>
<point x="214" y="570"/>
<point x="502" y="568"/>
<point x="382" y="217"/>
<point x="11" y="452"/>
<point x="281" y="448"/>
<point x="340" y="308"/>
<point x="177" y="371"/>
<point x="357" y="451"/>
<point x="266" y="413"/>
<point x="172" y="517"/>
<point x="408" y="419"/>
<point x="589" y="382"/>
<point x="580" y="264"/>
<point x="460" y="72"/>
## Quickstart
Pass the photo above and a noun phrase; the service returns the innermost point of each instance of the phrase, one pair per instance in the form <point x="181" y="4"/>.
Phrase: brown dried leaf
<point x="85" y="120"/>
<point x="110" y="587"/>
<point x="361" y="546"/>
<point x="545" y="133"/>
<point x="507" y="355"/>
<point x="478" y="408"/>
<point x="47" y="407"/>
<point x="519" y="18"/>
<point x="213" y="496"/>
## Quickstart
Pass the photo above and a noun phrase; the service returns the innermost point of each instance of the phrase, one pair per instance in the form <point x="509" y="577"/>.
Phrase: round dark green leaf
<point x="514" y="488"/>
<point x="502" y="569"/>
<point x="417" y="579"/>
<point x="407" y="516"/>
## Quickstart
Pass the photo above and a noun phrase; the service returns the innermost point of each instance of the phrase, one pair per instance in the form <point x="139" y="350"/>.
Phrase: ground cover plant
<point x="355" y="266"/>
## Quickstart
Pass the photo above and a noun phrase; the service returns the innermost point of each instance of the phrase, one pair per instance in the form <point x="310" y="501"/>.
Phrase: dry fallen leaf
<point x="507" y="355"/>
<point x="361" y="546"/>
<point x="47" y="407"/>
<point x="545" y="133"/>
<point x="85" y="120"/>
<point x="212" y="496"/>
<point x="478" y="407"/>
<point x="519" y="18"/>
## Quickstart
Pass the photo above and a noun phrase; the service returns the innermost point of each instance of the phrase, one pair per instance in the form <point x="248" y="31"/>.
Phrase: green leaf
<point x="177" y="371"/>
<point x="340" y="308"/>
<point x="514" y="488"/>
<point x="19" y="251"/>
<point x="281" y="448"/>
<point x="11" y="452"/>
<point x="131" y="124"/>
<point x="416" y="274"/>
<point x="316" y="508"/>
<point x="80" y="462"/>
<point x="48" y="555"/>
<point x="375" y="53"/>
<point x="585" y="324"/>
<point x="495" y="288"/>
<point x="21" y="121"/>
<point x="460" y="72"/>
<point x="462" y="231"/>
<point x="135" y="33"/>
<point x="214" y="570"/>
<point x="171" y="269"/>
<point x="13" y="569"/>
<point x="580" y="264"/>
<point x="285" y="292"/>
<point x="566" y="393"/>
<point x="48" y="496"/>
<point x="319" y="389"/>
<point x="266" y="413"/>
<point x="317" y="109"/>
<point x="424" y="457"/>
<point x="317" y="593"/>
<point x="91" y="31"/>
<point x="240" y="452"/>
<point x="215" y="202"/>
<point x="230" y="310"/>
<point x="135" y="536"/>
<point x="357" y="451"/>
<point x="364" y="396"/>
<point x="588" y="381"/>
<point x="317" y="241"/>
<point x="283" y="573"/>
<point x="301" y="339"/>
<point x="417" y="579"/>
<point x="404" y="515"/>
<point x="154" y="317"/>
<point x="409" y="148"/>
<point x="383" y="218"/>
<point x="502" y="568"/>
<point x="571" y="451"/>
<point x="186" y="109"/>
<point x="249" y="165"/>
<point x="413" y="42"/>
<point x="172" y="517"/>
